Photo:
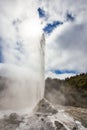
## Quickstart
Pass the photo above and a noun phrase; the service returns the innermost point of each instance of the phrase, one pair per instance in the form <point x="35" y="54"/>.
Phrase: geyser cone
<point x="45" y="107"/>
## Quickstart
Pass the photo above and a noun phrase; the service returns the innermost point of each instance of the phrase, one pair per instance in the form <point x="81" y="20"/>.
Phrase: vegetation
<point x="78" y="81"/>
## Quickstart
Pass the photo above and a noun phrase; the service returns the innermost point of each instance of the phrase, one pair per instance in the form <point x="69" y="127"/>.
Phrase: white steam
<point x="20" y="36"/>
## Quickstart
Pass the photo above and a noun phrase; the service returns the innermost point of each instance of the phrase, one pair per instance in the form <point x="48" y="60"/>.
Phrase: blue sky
<point x="42" y="13"/>
<point x="51" y="26"/>
<point x="64" y="71"/>
<point x="70" y="17"/>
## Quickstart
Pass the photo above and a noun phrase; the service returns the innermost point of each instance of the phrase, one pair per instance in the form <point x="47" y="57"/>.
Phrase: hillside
<point x="69" y="92"/>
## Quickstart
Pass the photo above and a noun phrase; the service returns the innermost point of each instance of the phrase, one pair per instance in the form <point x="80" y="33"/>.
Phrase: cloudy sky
<point x="64" y="23"/>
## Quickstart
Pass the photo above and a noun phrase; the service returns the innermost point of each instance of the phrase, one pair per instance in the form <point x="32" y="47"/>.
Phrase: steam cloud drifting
<point x="20" y="62"/>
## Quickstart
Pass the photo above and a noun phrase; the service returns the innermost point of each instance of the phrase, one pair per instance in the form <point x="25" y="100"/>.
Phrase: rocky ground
<point x="45" y="117"/>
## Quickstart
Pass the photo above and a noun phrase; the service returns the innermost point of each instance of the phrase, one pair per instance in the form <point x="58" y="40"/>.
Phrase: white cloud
<point x="67" y="45"/>
<point x="57" y="9"/>
<point x="66" y="49"/>
<point x="59" y="76"/>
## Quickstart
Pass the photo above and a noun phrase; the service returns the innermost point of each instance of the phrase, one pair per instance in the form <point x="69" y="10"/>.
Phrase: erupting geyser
<point x="42" y="54"/>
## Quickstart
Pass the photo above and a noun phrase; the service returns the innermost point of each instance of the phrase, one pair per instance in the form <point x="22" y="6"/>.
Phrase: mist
<point x="21" y="55"/>
<point x="22" y="87"/>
